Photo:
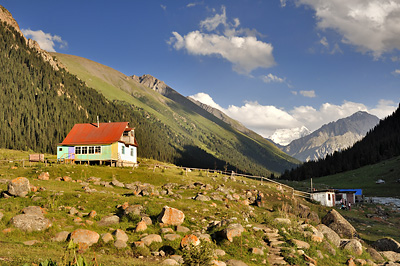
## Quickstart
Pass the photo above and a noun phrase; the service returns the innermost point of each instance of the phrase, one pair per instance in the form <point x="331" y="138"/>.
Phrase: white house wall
<point x="127" y="155"/>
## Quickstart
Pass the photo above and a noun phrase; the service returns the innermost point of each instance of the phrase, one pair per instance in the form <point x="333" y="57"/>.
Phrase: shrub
<point x="200" y="255"/>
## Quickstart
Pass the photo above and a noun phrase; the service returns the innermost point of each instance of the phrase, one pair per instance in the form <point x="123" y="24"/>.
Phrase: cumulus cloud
<point x="46" y="41"/>
<point x="396" y="72"/>
<point x="272" y="78"/>
<point x="206" y="99"/>
<point x="308" y="94"/>
<point x="163" y="7"/>
<point x="372" y="26"/>
<point x="267" y="119"/>
<point x="218" y="37"/>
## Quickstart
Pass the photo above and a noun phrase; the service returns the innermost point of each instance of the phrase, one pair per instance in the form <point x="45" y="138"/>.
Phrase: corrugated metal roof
<point x="82" y="134"/>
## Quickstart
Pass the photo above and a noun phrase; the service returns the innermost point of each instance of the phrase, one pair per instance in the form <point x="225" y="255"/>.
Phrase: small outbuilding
<point x="100" y="143"/>
<point x="351" y="196"/>
<point x="325" y="197"/>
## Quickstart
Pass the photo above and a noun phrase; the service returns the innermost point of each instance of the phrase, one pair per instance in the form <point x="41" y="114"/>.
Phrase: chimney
<point x="98" y="123"/>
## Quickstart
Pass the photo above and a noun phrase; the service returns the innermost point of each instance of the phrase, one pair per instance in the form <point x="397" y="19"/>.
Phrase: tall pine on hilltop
<point x="381" y="143"/>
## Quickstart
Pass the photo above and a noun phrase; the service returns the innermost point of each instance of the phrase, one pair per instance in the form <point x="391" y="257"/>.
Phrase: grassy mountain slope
<point x="203" y="129"/>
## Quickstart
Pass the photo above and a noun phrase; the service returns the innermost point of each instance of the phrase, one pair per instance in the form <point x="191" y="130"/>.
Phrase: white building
<point x="325" y="197"/>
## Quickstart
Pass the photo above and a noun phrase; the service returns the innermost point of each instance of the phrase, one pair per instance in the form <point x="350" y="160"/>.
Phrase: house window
<point x="60" y="149"/>
<point x="97" y="149"/>
<point x="126" y="133"/>
<point x="123" y="150"/>
<point x="84" y="150"/>
<point x="329" y="197"/>
<point x="91" y="149"/>
<point x="78" y="150"/>
<point x="132" y="152"/>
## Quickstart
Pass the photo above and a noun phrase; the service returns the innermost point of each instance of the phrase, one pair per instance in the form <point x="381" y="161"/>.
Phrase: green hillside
<point x="208" y="134"/>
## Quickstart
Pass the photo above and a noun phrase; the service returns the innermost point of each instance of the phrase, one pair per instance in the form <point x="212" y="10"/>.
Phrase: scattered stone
<point x="108" y="220"/>
<point x="391" y="255"/>
<point x="189" y="240"/>
<point x="92" y="214"/>
<point x="141" y="226"/>
<point x="119" y="244"/>
<point x="19" y="187"/>
<point x="340" y="225"/>
<point x="107" y="237"/>
<point x="300" y="244"/>
<point x="375" y="254"/>
<point x="147" y="240"/>
<point x="329" y="234"/>
<point x="66" y="179"/>
<point x="282" y="221"/>
<point x="31" y="242"/>
<point x="120" y="235"/>
<point x="329" y="248"/>
<point x="309" y="259"/>
<point x="170" y="262"/>
<point x="352" y="245"/>
<point x="180" y="229"/>
<point x="360" y="262"/>
<point x="312" y="232"/>
<point x="201" y="197"/>
<point x="350" y="262"/>
<point x="387" y="244"/>
<point x="60" y="236"/>
<point x="84" y="236"/>
<point x="44" y="176"/>
<point x="73" y="211"/>
<point x="147" y="220"/>
<point x="219" y="253"/>
<point x="133" y="209"/>
<point x="172" y="237"/>
<point x="30" y="222"/>
<point x="233" y="230"/>
<point x="235" y="263"/>
<point x="257" y="251"/>
<point x="139" y="244"/>
<point x="217" y="263"/>
<point x="171" y="216"/>
<point x="117" y="183"/>
<point x="34" y="210"/>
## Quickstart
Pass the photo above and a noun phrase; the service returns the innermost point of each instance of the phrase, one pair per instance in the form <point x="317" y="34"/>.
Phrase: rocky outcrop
<point x="339" y="224"/>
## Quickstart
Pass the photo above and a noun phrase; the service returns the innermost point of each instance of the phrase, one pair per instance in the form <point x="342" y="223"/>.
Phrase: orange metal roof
<point x="91" y="134"/>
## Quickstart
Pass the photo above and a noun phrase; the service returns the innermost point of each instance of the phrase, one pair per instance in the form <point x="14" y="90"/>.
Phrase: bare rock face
<point x="19" y="187"/>
<point x="387" y="244"/>
<point x="233" y="230"/>
<point x="340" y="225"/>
<point x="85" y="237"/>
<point x="6" y="16"/>
<point x="171" y="216"/>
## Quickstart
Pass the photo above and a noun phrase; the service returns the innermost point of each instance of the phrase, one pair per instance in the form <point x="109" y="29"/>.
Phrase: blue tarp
<point x="357" y="190"/>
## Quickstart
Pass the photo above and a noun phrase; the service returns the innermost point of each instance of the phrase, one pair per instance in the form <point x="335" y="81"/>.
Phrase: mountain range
<point x="45" y="94"/>
<point x="335" y="136"/>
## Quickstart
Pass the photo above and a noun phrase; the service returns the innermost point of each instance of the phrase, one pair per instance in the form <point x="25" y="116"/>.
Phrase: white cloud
<point x="46" y="41"/>
<point x="206" y="99"/>
<point x="396" y="72"/>
<point x="272" y="78"/>
<point x="308" y="94"/>
<point x="283" y="3"/>
<point x="266" y="119"/>
<point x="163" y="7"/>
<point x="239" y="46"/>
<point x="324" y="42"/>
<point x="371" y="25"/>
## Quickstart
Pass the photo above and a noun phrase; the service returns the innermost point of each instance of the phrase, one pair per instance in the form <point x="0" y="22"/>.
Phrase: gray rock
<point x="375" y="254"/>
<point x="84" y="236"/>
<point x="30" y="223"/>
<point x="340" y="225"/>
<point x="300" y="244"/>
<point x="120" y="235"/>
<point x="202" y="197"/>
<point x="147" y="240"/>
<point x="282" y="221"/>
<point x="60" y="236"/>
<point x="171" y="262"/>
<point x="182" y="229"/>
<point x="172" y="237"/>
<point x="119" y="244"/>
<point x="391" y="255"/>
<point x="235" y="263"/>
<point x="116" y="183"/>
<point x="19" y="187"/>
<point x="329" y="234"/>
<point x="109" y="220"/>
<point x="352" y="245"/>
<point x="387" y="244"/>
<point x="133" y="209"/>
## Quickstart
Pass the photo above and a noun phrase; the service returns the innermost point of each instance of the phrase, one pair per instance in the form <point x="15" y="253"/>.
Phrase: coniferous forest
<point x="381" y="143"/>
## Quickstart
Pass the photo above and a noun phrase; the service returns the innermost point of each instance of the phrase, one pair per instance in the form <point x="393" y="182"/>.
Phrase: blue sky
<point x="272" y="65"/>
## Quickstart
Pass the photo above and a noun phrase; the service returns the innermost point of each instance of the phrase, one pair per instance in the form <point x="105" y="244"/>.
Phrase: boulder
<point x="119" y="244"/>
<point x="147" y="240"/>
<point x="19" y="187"/>
<point x="329" y="234"/>
<point x="117" y="183"/>
<point x="146" y="220"/>
<point x="30" y="222"/>
<point x="375" y="254"/>
<point x="109" y="220"/>
<point x="33" y="210"/>
<point x="44" y="176"/>
<point x="141" y="226"/>
<point x="107" y="237"/>
<point x="84" y="236"/>
<point x="182" y="229"/>
<point x="217" y="263"/>
<point x="219" y="253"/>
<point x="120" y="235"/>
<point x="352" y="245"/>
<point x="201" y="197"/>
<point x="189" y="240"/>
<point x="172" y="237"/>
<point x="391" y="255"/>
<point x="233" y="262"/>
<point x="257" y="251"/>
<point x="60" y="236"/>
<point x="312" y="232"/>
<point x="340" y="225"/>
<point x="300" y="244"/>
<point x="233" y="230"/>
<point x="170" y="262"/>
<point x="282" y="221"/>
<point x="387" y="244"/>
<point x="171" y="216"/>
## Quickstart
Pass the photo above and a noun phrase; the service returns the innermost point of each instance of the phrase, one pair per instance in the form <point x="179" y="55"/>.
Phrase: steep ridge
<point x="381" y="143"/>
<point x="208" y="134"/>
<point x="332" y="137"/>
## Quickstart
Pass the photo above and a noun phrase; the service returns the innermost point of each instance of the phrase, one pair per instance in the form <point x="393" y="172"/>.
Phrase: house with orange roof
<point x="100" y="143"/>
